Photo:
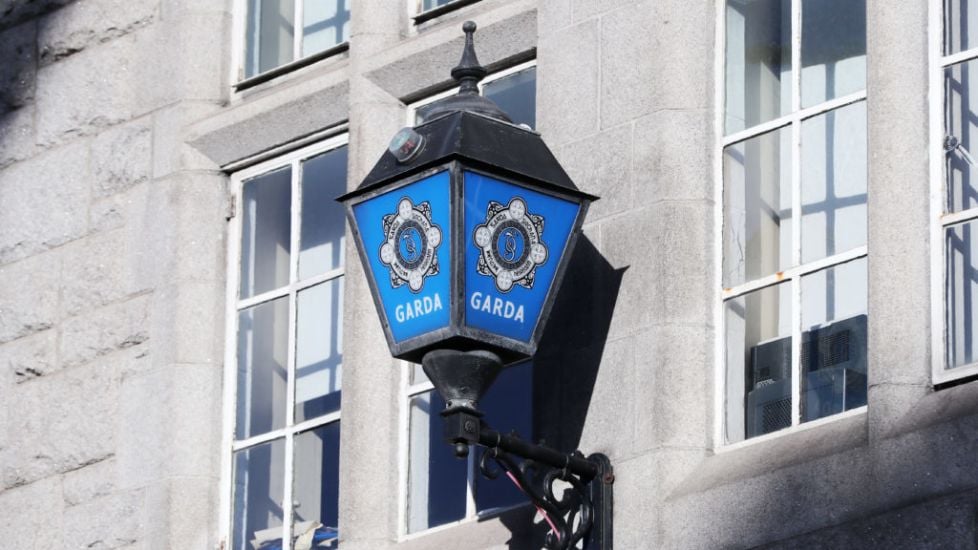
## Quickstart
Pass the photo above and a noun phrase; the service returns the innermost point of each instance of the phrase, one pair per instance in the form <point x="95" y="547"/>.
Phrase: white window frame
<point x="416" y="10"/>
<point x="942" y="221"/>
<point x="234" y="305"/>
<point x="410" y="391"/>
<point x="791" y="276"/>
<point x="239" y="43"/>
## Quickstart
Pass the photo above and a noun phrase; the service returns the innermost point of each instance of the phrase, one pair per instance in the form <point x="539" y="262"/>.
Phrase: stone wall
<point x="111" y="274"/>
<point x="115" y="118"/>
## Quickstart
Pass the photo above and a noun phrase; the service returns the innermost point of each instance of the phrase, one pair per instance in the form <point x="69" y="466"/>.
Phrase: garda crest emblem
<point x="409" y="247"/>
<point x="511" y="245"/>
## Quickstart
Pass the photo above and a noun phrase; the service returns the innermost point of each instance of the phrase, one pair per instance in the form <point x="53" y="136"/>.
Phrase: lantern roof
<point x="482" y="141"/>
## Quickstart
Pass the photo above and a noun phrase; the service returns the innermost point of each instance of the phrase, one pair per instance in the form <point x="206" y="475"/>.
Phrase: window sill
<point x="272" y="74"/>
<point x="441" y="10"/>
<point x="765" y="454"/>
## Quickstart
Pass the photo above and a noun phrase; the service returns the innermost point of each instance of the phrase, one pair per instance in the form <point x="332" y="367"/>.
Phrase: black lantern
<point x="465" y="228"/>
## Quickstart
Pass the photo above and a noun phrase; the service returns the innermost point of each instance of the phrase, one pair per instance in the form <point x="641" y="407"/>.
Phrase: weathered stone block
<point x="567" y="84"/>
<point x="105" y="523"/>
<point x="29" y="357"/>
<point x="190" y="318"/>
<point x="43" y="202"/>
<point x="132" y="79"/>
<point x="127" y="208"/>
<point x="667" y="250"/>
<point x="105" y="330"/>
<point x="29" y="514"/>
<point x="611" y="422"/>
<point x="91" y="22"/>
<point x="171" y="152"/>
<point x="666" y="143"/>
<point x="61" y="423"/>
<point x="13" y="12"/>
<point x="584" y="9"/>
<point x="553" y="15"/>
<point x="121" y="158"/>
<point x="89" y="483"/>
<point x="19" y="67"/>
<point x="677" y="362"/>
<point x="29" y="295"/>
<point x="100" y="270"/>
<point x="16" y="135"/>
<point x="602" y="165"/>
<point x="195" y="423"/>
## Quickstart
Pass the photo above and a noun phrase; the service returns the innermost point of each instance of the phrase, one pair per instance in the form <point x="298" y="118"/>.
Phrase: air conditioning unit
<point x="833" y="363"/>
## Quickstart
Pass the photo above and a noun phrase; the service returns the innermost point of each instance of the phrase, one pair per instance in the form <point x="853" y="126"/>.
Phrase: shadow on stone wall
<point x="567" y="363"/>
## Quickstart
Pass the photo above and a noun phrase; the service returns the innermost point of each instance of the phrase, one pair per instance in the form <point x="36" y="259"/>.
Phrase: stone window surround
<point x="794" y="275"/>
<point x="939" y="62"/>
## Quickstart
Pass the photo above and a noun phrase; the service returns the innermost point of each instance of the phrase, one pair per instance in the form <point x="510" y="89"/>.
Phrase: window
<point x="273" y="38"/>
<point x="439" y="488"/>
<point x="956" y="190"/>
<point x="793" y="273"/>
<point x="424" y="10"/>
<point x="285" y="357"/>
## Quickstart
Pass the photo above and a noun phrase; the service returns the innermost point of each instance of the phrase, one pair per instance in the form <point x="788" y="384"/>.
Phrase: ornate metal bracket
<point x="573" y="493"/>
<point x="581" y="512"/>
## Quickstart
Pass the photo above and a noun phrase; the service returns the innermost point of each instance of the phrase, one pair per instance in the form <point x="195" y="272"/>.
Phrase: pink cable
<point x="543" y="512"/>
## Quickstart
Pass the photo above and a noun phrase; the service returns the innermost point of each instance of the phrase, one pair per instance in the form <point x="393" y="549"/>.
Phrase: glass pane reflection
<point x="322" y="230"/>
<point x="758" y="347"/>
<point x="757" y="207"/>
<point x="833" y="348"/>
<point x="833" y="182"/>
<point x="318" y="350"/>
<point x="833" y="49"/>
<point x="258" y="493"/>
<point x="961" y="141"/>
<point x="516" y="95"/>
<point x="438" y="480"/>
<point x="266" y="225"/>
<point x="316" y="488"/>
<point x="758" y="62"/>
<point x="325" y="23"/>
<point x="271" y="27"/>
<point x="508" y="404"/>
<point x="960" y="25"/>
<point x="263" y="341"/>
<point x="961" y="292"/>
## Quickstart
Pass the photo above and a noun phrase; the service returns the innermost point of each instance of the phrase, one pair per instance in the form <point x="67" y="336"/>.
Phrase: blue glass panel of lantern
<point x="405" y="234"/>
<point x="514" y="238"/>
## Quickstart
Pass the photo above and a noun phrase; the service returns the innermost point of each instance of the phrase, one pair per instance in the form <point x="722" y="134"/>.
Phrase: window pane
<point x="438" y="479"/>
<point x="263" y="341"/>
<point x="516" y="95"/>
<point x="258" y="495"/>
<point x="960" y="25"/>
<point x="315" y="490"/>
<point x="758" y="333"/>
<point x="325" y="23"/>
<point x="757" y="207"/>
<point x="833" y="349"/>
<point x="961" y="141"/>
<point x="758" y="62"/>
<point x="432" y="4"/>
<point x="833" y="49"/>
<point x="270" y="35"/>
<point x="266" y="232"/>
<point x="961" y="276"/>
<point x="833" y="182"/>
<point x="318" y="350"/>
<point x="508" y="405"/>
<point x="322" y="238"/>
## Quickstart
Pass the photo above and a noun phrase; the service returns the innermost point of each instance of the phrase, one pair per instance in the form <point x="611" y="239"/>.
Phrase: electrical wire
<point x="546" y="516"/>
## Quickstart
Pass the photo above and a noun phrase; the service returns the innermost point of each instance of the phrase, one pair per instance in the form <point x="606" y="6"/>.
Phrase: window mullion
<point x="287" y="496"/>
<point x="298" y="31"/>
<point x="796" y="210"/>
<point x="470" y="507"/>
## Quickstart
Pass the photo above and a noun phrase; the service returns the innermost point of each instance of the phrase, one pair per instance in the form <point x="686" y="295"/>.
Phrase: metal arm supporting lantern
<point x="465" y="227"/>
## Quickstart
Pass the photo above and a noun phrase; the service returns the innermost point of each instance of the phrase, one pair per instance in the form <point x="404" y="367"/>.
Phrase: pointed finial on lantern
<point x="469" y="72"/>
